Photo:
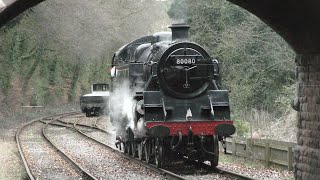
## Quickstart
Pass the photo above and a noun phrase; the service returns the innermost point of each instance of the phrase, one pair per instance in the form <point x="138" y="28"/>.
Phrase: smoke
<point x="179" y="11"/>
<point x="121" y="108"/>
<point x="141" y="128"/>
<point x="179" y="21"/>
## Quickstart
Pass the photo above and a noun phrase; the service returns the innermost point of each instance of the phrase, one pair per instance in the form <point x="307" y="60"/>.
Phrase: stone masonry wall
<point x="307" y="152"/>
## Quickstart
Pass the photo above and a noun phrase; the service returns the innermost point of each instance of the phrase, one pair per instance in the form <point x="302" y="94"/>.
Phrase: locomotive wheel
<point x="128" y="148"/>
<point x="122" y="147"/>
<point x="215" y="160"/>
<point x="140" y="149"/>
<point x="134" y="149"/>
<point x="147" y="151"/>
<point x="158" y="153"/>
<point x="88" y="113"/>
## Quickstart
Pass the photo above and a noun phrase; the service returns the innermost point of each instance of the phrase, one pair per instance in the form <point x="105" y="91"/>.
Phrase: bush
<point x="242" y="127"/>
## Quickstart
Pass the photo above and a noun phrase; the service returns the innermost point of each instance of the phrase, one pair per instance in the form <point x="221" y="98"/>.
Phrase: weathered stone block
<point x="308" y="141"/>
<point x="310" y="125"/>
<point x="314" y="76"/>
<point x="309" y="133"/>
<point x="300" y="69"/>
<point x="303" y="76"/>
<point x="303" y="100"/>
<point x="312" y="69"/>
<point x="308" y="152"/>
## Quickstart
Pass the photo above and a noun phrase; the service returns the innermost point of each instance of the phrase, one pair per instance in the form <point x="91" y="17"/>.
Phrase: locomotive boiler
<point x="179" y="110"/>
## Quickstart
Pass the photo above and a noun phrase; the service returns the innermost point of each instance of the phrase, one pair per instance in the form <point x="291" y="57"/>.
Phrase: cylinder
<point x="179" y="32"/>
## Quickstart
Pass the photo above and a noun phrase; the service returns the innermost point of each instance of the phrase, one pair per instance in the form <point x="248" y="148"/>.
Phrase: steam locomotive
<point x="178" y="109"/>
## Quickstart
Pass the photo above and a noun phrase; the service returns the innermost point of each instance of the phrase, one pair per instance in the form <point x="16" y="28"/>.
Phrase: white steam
<point x="141" y="128"/>
<point x="121" y="106"/>
<point x="179" y="21"/>
<point x="2" y="5"/>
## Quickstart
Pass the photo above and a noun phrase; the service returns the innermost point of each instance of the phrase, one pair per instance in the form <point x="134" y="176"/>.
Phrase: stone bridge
<point x="298" y="22"/>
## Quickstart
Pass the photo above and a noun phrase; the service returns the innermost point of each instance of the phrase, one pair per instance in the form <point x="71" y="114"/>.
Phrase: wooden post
<point x="234" y="150"/>
<point x="290" y="158"/>
<point x="267" y="153"/>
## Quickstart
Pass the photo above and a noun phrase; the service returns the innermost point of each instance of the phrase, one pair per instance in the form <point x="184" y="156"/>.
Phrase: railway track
<point x="55" y="164"/>
<point x="166" y="172"/>
<point x="163" y="172"/>
<point x="86" y="130"/>
<point x="99" y="167"/>
<point x="86" y="174"/>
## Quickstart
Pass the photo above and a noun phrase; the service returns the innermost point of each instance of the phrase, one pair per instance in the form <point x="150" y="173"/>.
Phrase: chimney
<point x="179" y="31"/>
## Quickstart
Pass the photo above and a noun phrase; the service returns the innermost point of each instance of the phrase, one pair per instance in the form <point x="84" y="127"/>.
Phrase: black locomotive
<point x="179" y="110"/>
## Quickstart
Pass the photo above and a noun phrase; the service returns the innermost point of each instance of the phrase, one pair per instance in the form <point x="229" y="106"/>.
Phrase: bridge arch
<point x="298" y="22"/>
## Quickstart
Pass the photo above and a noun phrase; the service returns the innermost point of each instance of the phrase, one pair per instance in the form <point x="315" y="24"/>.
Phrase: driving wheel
<point x="147" y="151"/>
<point x="158" y="153"/>
<point x="140" y="149"/>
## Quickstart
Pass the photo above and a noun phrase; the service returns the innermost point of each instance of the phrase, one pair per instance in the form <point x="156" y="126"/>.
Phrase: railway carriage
<point x="179" y="110"/>
<point x="96" y="102"/>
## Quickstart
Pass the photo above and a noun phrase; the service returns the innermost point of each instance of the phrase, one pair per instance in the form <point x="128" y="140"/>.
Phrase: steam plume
<point x="121" y="108"/>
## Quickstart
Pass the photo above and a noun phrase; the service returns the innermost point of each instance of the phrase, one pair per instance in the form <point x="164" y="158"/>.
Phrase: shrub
<point x="242" y="127"/>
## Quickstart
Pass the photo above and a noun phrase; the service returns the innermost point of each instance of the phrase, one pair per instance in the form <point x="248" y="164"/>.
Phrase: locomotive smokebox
<point x="179" y="31"/>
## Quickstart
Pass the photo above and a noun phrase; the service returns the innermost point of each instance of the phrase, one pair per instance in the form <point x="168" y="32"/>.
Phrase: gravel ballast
<point x="44" y="162"/>
<point x="105" y="164"/>
<point x="97" y="159"/>
<point x="237" y="166"/>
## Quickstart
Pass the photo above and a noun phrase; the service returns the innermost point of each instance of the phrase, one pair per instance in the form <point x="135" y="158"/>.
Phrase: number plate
<point x="185" y="61"/>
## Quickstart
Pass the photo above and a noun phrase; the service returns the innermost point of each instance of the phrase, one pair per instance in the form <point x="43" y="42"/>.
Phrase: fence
<point x="270" y="151"/>
<point x="31" y="108"/>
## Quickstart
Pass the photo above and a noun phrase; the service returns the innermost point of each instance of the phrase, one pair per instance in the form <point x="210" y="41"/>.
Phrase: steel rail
<point x="95" y="124"/>
<point x="18" y="142"/>
<point x="220" y="170"/>
<point x="84" y="125"/>
<point x="22" y="155"/>
<point x="163" y="172"/>
<point x="75" y="125"/>
<point x="86" y="174"/>
<point x="233" y="174"/>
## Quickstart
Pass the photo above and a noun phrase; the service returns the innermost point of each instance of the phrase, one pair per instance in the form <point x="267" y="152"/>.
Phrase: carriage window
<point x="100" y="87"/>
